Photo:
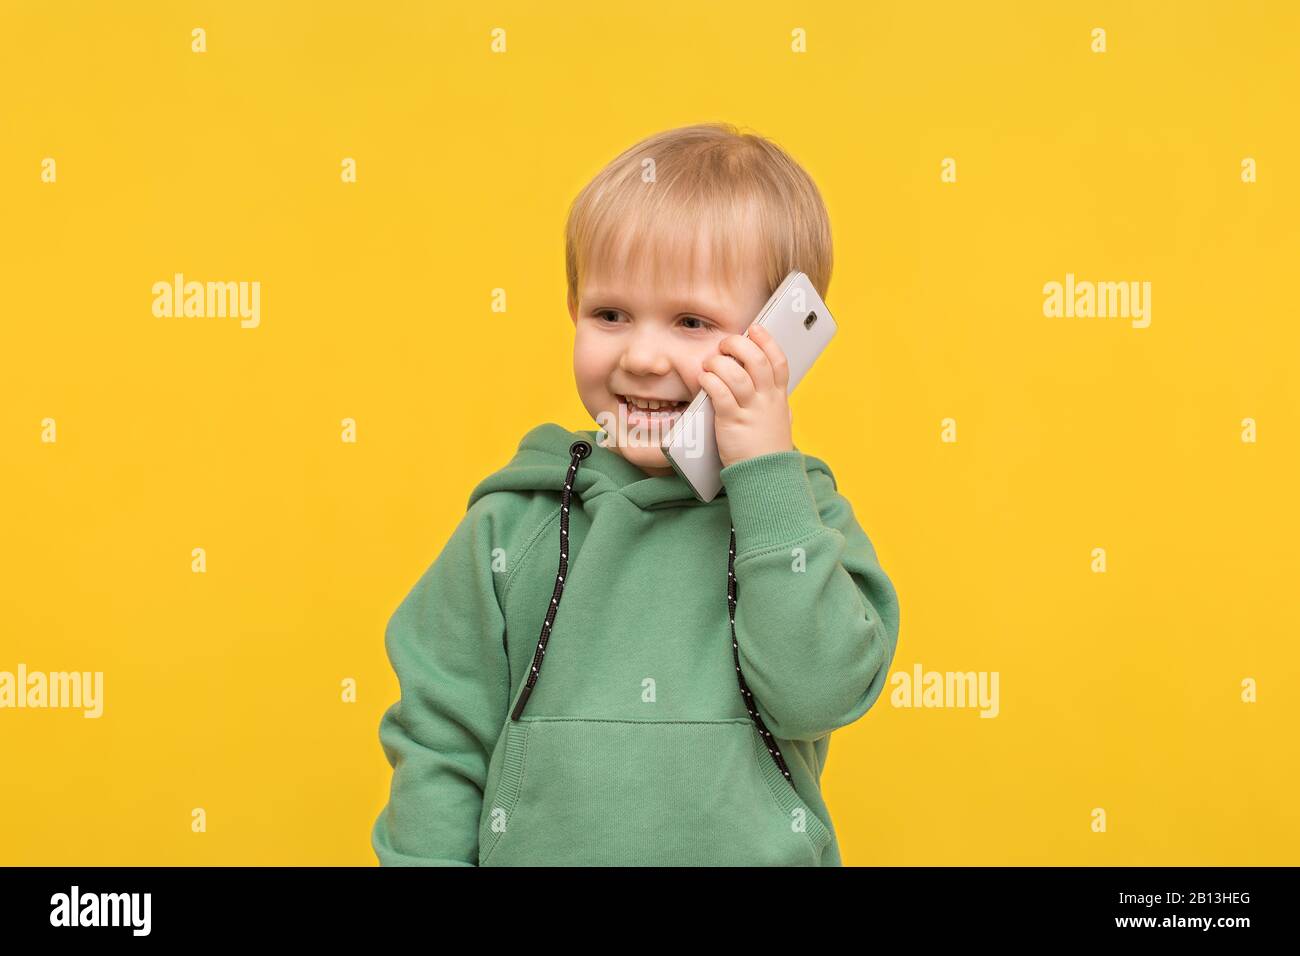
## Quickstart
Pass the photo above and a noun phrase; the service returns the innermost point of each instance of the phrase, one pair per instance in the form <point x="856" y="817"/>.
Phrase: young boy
<point x="676" y="710"/>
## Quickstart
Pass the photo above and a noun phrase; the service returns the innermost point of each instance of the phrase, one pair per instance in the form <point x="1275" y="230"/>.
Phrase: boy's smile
<point x="637" y="340"/>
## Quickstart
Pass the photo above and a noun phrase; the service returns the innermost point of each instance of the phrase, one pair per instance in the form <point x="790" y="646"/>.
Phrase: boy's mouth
<point x="650" y="404"/>
<point x="639" y="413"/>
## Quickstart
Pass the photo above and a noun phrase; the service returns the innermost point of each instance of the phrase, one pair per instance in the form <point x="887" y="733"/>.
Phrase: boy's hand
<point x="747" y="381"/>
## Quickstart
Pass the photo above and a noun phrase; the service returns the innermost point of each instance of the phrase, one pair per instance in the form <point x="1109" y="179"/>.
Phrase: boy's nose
<point x="645" y="357"/>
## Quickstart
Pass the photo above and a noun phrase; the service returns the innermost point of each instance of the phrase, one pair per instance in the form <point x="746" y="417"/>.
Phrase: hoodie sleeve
<point x="816" y="617"/>
<point x="446" y="644"/>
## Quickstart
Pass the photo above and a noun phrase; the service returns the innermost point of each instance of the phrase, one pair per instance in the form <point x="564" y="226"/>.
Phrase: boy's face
<point x="647" y="341"/>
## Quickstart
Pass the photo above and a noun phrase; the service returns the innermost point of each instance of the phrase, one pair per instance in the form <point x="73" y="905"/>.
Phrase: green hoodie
<point x="604" y="713"/>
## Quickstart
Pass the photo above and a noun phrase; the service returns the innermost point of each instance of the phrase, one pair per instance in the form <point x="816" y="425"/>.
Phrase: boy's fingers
<point x="752" y="357"/>
<point x="719" y="393"/>
<point x="775" y="355"/>
<point x="737" y="378"/>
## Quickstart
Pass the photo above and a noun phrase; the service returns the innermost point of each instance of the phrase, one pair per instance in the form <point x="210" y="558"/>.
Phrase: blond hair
<point x="741" y="189"/>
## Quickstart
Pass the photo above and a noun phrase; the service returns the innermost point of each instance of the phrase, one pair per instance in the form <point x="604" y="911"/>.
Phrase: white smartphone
<point x="800" y="323"/>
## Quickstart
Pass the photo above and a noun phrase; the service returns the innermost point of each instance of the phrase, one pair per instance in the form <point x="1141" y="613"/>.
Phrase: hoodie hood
<point x="542" y="464"/>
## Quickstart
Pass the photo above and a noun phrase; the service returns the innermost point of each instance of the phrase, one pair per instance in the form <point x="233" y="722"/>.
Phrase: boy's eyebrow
<point x="705" y="306"/>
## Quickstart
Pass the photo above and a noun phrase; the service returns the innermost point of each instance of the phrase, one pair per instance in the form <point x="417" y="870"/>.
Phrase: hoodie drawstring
<point x="580" y="450"/>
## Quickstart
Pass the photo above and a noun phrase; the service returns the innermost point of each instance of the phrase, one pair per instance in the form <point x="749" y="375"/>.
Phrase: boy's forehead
<point x="674" y="283"/>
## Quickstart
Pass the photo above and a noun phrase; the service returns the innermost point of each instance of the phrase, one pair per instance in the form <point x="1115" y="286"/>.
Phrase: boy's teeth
<point x="651" y="404"/>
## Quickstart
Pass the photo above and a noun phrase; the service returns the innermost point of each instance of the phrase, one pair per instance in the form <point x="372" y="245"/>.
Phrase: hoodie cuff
<point x="772" y="501"/>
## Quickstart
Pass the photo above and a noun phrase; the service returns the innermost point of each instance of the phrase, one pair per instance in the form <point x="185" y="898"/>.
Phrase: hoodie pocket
<point x="578" y="792"/>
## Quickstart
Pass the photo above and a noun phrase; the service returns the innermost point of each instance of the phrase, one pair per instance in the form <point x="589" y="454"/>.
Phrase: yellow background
<point x="1119" y="690"/>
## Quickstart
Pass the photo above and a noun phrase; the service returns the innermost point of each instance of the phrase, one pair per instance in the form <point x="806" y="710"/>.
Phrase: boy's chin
<point x="648" y="457"/>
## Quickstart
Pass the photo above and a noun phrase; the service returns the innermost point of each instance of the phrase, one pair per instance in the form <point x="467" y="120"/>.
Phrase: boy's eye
<point x="688" y="318"/>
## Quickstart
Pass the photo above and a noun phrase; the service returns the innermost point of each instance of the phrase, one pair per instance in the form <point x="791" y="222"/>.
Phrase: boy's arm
<point x="445" y="643"/>
<point x="816" y="617"/>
